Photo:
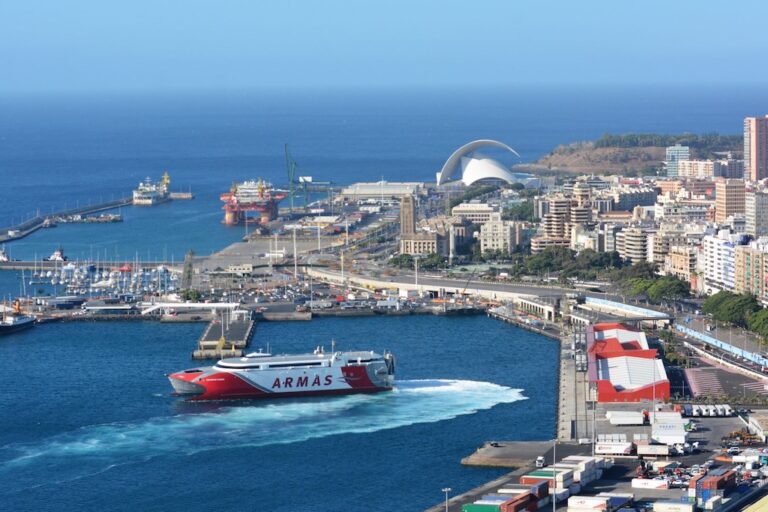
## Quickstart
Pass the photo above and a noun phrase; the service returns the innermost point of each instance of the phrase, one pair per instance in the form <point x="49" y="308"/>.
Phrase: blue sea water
<point x="72" y="150"/>
<point x="89" y="424"/>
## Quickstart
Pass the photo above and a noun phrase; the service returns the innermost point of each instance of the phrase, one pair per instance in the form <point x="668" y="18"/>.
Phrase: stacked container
<point x="561" y="495"/>
<point x="715" y="484"/>
<point x="513" y="498"/>
<point x="556" y="478"/>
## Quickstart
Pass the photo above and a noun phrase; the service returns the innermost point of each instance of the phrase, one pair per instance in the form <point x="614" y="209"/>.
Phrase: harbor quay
<point x="589" y="428"/>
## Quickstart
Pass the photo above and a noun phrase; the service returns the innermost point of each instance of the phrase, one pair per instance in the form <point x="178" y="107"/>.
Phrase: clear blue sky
<point x="76" y="45"/>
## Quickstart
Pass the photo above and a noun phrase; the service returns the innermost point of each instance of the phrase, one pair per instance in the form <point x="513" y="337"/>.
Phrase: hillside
<point x="584" y="157"/>
<point x="633" y="152"/>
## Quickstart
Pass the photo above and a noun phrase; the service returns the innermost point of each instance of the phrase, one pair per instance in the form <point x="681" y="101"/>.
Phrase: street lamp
<point x="416" y="264"/>
<point x="446" y="490"/>
<point x="554" y="461"/>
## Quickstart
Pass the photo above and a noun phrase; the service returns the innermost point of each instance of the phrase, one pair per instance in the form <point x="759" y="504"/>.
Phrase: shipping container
<point x="588" y="502"/>
<point x="650" y="483"/>
<point x="693" y="482"/>
<point x="561" y="494"/>
<point x="540" y="490"/>
<point x="672" y="506"/>
<point x="475" y="507"/>
<point x="495" y="497"/>
<point x="713" y="503"/>
<point x="614" y="448"/>
<point x="625" y="418"/>
<point x="653" y="449"/>
<point x="617" y="500"/>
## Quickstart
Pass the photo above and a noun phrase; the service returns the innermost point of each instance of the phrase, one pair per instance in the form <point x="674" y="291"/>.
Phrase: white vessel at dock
<point x="150" y="193"/>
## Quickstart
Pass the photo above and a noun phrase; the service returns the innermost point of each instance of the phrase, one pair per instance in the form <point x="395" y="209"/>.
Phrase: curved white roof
<point x="475" y="168"/>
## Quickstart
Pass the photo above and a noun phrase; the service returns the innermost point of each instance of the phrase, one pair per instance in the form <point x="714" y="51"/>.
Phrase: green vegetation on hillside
<point x="738" y="309"/>
<point x="642" y="279"/>
<point x="587" y="265"/>
<point x="703" y="144"/>
<point x="658" y="288"/>
<point x="730" y="307"/>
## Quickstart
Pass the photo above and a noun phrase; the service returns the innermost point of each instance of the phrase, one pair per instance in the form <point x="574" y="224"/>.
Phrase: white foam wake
<point x="256" y="424"/>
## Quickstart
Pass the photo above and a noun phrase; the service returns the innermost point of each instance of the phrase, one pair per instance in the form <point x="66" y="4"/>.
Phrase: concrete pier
<point x="28" y="227"/>
<point x="226" y="336"/>
<point x="56" y="265"/>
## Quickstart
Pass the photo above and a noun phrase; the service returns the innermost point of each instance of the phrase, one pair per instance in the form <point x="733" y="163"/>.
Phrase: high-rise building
<point x="707" y="169"/>
<point x="407" y="216"/>
<point x="752" y="270"/>
<point x="729" y="198"/>
<point x="500" y="235"/>
<point x="718" y="261"/>
<point x="756" y="148"/>
<point x="474" y="212"/>
<point x="632" y="244"/>
<point x="756" y="212"/>
<point x="681" y="262"/>
<point x="414" y="243"/>
<point x="674" y="155"/>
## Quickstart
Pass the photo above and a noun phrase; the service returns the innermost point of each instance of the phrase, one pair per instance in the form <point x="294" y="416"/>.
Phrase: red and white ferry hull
<point x="220" y="382"/>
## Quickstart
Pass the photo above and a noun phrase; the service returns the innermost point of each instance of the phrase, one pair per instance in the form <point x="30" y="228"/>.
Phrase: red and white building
<point x="621" y="367"/>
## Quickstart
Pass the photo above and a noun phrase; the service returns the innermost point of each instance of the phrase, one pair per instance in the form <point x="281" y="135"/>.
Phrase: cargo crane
<point x="303" y="183"/>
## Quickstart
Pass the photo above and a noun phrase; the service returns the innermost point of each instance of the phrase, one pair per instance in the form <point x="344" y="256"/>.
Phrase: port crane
<point x="302" y="184"/>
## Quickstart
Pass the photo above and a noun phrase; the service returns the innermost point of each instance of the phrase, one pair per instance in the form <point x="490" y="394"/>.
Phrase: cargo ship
<point x="15" y="320"/>
<point x="260" y="375"/>
<point x="251" y="196"/>
<point x="149" y="193"/>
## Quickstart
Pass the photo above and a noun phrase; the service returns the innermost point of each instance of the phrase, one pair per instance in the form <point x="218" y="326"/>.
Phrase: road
<point x="432" y="280"/>
<point x="735" y="336"/>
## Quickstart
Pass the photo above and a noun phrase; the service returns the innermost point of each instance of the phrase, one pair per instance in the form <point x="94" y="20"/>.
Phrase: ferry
<point x="16" y="320"/>
<point x="261" y="375"/>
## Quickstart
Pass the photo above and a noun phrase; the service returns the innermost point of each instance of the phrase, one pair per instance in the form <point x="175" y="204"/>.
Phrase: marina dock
<point x="226" y="336"/>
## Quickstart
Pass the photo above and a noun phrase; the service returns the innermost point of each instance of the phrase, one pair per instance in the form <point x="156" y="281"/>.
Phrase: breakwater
<point x="29" y="226"/>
